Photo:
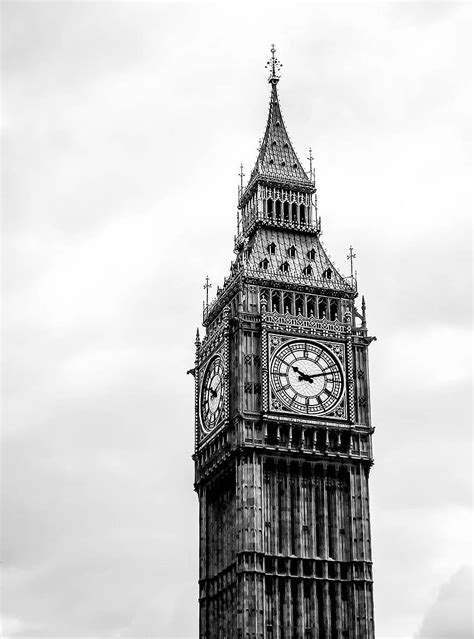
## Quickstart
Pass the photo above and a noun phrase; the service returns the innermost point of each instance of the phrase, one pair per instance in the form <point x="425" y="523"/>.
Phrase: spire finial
<point x="274" y="65"/>
<point x="241" y="175"/>
<point x="311" y="158"/>
<point x="352" y="257"/>
<point x="207" y="286"/>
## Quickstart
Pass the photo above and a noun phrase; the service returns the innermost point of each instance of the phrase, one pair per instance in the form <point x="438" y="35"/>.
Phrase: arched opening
<point x="287" y="303"/>
<point x="270" y="207"/>
<point x="286" y="211"/>
<point x="278" y="210"/>
<point x="310" y="306"/>
<point x="294" y="212"/>
<point x="333" y="310"/>
<point x="276" y="301"/>
<point x="322" y="307"/>
<point x="302" y="214"/>
<point x="299" y="305"/>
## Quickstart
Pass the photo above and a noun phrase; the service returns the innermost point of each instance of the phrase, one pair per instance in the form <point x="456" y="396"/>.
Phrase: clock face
<point x="212" y="394"/>
<point x="306" y="377"/>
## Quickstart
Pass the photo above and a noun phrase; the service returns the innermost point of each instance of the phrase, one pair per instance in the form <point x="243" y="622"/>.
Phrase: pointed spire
<point x="277" y="160"/>
<point x="198" y="339"/>
<point x="364" y="323"/>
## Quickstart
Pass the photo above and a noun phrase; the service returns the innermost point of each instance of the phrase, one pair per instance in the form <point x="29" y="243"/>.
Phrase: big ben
<point x="282" y="421"/>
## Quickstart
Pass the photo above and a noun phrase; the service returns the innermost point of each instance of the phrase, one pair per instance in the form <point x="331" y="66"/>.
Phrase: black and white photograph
<point x="236" y="320"/>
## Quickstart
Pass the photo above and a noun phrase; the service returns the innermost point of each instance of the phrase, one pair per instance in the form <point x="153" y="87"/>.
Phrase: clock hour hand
<point x="303" y="376"/>
<point x="214" y="390"/>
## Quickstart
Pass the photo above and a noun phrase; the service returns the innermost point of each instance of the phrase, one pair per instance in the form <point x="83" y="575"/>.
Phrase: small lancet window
<point x="333" y="310"/>
<point x="274" y="143"/>
<point x="285" y="146"/>
<point x="276" y="302"/>
<point x="299" y="305"/>
<point x="277" y="123"/>
<point x="264" y="264"/>
<point x="295" y="166"/>
<point x="270" y="207"/>
<point x="294" y="212"/>
<point x="292" y="251"/>
<point x="302" y="214"/>
<point x="278" y="209"/>
<point x="286" y="211"/>
<point x="283" y="163"/>
<point x="327" y="273"/>
<point x="322" y="307"/>
<point x="285" y="267"/>
<point x="308" y="270"/>
<point x="271" y="162"/>
<point x="271" y="248"/>
<point x="312" y="254"/>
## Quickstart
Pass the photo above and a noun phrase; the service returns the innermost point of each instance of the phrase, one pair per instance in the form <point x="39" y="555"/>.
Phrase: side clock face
<point x="306" y="377"/>
<point x="212" y="394"/>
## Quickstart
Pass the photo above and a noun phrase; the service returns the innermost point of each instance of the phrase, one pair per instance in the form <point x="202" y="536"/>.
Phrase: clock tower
<point x="282" y="422"/>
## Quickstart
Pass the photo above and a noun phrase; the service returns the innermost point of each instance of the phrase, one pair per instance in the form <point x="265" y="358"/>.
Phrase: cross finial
<point x="311" y="158"/>
<point x="241" y="175"/>
<point x="351" y="257"/>
<point x="274" y="65"/>
<point x="207" y="286"/>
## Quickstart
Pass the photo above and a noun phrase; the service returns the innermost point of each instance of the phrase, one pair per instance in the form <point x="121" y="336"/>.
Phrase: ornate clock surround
<point x="278" y="329"/>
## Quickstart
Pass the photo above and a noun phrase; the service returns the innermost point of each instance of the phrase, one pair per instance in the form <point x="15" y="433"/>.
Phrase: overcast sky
<point x="123" y="129"/>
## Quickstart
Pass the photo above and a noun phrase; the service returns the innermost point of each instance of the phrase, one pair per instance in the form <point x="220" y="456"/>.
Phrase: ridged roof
<point x="277" y="160"/>
<point x="321" y="265"/>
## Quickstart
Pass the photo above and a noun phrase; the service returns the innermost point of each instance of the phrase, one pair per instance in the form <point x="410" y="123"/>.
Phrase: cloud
<point x="450" y="616"/>
<point x="124" y="127"/>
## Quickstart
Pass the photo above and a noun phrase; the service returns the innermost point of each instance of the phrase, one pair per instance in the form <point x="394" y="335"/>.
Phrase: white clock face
<point x="212" y="394"/>
<point x="306" y="377"/>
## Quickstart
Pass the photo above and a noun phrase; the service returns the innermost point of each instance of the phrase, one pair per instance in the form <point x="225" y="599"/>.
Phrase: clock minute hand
<point x="322" y="374"/>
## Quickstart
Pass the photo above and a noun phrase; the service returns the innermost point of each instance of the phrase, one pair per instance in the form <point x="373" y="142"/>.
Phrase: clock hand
<point x="214" y="390"/>
<point x="322" y="374"/>
<point x="302" y="376"/>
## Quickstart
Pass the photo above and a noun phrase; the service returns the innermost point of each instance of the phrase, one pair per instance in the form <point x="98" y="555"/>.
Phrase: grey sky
<point x="124" y="127"/>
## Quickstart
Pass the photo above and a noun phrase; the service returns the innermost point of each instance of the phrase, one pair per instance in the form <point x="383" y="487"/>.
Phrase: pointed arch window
<point x="294" y="212"/>
<point x="278" y="209"/>
<point x="271" y="248"/>
<point x="264" y="264"/>
<point x="302" y="214"/>
<point x="292" y="251"/>
<point x="286" y="211"/>
<point x="285" y="267"/>
<point x="308" y="270"/>
<point x="312" y="254"/>
<point x="276" y="302"/>
<point x="322" y="307"/>
<point x="299" y="305"/>
<point x="333" y="310"/>
<point x="270" y="207"/>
